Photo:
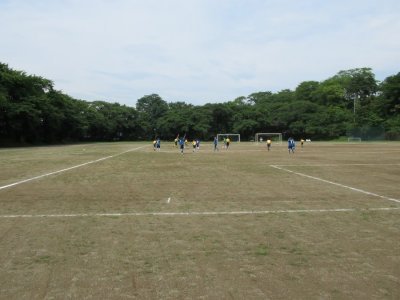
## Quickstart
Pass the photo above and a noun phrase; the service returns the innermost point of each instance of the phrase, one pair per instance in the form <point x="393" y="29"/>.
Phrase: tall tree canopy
<point x="31" y="111"/>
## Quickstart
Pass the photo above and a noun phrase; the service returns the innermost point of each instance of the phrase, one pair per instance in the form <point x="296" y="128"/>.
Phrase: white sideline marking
<point x="336" y="165"/>
<point x="67" y="169"/>
<point x="337" y="184"/>
<point x="200" y="213"/>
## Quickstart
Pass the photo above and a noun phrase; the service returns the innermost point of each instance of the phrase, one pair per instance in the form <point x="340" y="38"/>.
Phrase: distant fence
<point x="368" y="133"/>
<point x="392" y="136"/>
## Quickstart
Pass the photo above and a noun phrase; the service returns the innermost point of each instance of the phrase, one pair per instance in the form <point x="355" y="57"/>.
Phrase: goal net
<point x="354" y="139"/>
<point x="262" y="137"/>
<point x="234" y="137"/>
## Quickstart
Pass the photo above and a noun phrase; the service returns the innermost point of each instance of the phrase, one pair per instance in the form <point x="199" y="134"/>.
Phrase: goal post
<point x="234" y="137"/>
<point x="275" y="137"/>
<point x="354" y="139"/>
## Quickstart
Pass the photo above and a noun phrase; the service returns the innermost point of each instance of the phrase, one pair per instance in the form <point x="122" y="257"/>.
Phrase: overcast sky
<point x="197" y="51"/>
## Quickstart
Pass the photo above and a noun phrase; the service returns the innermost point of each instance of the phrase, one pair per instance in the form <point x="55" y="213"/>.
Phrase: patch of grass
<point x="299" y="261"/>
<point x="148" y="267"/>
<point x="201" y="237"/>
<point x="262" y="250"/>
<point x="44" y="259"/>
<point x="280" y="234"/>
<point x="296" y="250"/>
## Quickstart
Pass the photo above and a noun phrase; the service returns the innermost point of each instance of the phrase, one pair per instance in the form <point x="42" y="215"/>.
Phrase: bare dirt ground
<point x="323" y="223"/>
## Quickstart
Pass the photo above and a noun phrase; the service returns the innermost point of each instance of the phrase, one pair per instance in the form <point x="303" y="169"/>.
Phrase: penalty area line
<point x="67" y="169"/>
<point x="335" y="183"/>
<point x="199" y="213"/>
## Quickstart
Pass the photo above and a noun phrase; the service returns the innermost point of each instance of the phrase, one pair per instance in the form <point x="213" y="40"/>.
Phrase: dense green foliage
<point x="351" y="102"/>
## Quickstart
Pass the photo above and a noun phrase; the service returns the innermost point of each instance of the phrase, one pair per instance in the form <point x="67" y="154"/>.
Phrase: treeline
<point x="352" y="102"/>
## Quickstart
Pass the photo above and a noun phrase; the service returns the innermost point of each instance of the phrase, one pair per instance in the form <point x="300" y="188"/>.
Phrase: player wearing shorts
<point x="228" y="141"/>
<point x="158" y="144"/>
<point x="194" y="144"/>
<point x="182" y="144"/>
<point x="215" y="144"/>
<point x="268" y="144"/>
<point x="291" y="145"/>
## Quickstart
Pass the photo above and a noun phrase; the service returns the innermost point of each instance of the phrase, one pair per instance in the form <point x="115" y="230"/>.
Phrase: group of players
<point x="182" y="142"/>
<point x="227" y="142"/>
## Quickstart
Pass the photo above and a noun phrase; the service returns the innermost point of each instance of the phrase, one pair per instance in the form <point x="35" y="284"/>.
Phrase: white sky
<point x="197" y="51"/>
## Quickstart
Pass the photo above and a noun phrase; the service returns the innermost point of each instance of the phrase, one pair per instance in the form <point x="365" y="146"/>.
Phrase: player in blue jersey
<point x="158" y="144"/>
<point x="215" y="144"/>
<point x="291" y="145"/>
<point x="181" y="144"/>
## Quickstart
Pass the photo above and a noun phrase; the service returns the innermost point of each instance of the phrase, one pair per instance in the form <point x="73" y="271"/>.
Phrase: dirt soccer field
<point x="120" y="221"/>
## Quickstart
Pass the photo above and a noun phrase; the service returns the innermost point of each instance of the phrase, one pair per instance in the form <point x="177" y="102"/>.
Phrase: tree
<point x="31" y="111"/>
<point x="21" y="101"/>
<point x="390" y="95"/>
<point x="306" y="90"/>
<point x="359" y="85"/>
<point x="150" y="109"/>
<point x="246" y="119"/>
<point x="175" y="121"/>
<point x="221" y="118"/>
<point x="259" y="97"/>
<point x="200" y="121"/>
<point x="330" y="93"/>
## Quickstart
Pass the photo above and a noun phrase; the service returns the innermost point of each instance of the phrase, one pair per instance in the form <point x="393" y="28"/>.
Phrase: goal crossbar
<point x="268" y="135"/>
<point x="354" y="139"/>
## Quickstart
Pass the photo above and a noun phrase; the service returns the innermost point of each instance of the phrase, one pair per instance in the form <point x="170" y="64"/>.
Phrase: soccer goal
<point x="275" y="137"/>
<point x="354" y="139"/>
<point x="234" y="137"/>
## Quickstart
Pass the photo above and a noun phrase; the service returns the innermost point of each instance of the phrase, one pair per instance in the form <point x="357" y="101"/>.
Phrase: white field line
<point x="67" y="169"/>
<point x="337" y="184"/>
<point x="200" y="213"/>
<point x="365" y="152"/>
<point x="336" y="165"/>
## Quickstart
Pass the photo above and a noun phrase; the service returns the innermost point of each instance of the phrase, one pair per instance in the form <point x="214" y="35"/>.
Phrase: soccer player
<point x="176" y="142"/>
<point x="302" y="143"/>
<point x="291" y="145"/>
<point x="182" y="144"/>
<point x="268" y="144"/>
<point x="154" y="145"/>
<point x="158" y="144"/>
<point x="216" y="144"/>
<point x="194" y="143"/>
<point x="228" y="141"/>
<point x="224" y="143"/>
<point x="198" y="144"/>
